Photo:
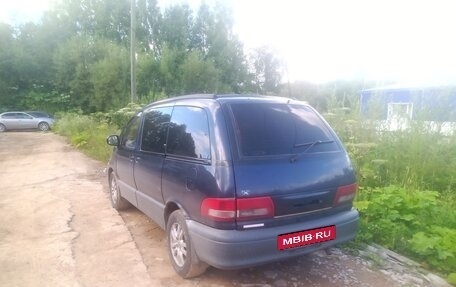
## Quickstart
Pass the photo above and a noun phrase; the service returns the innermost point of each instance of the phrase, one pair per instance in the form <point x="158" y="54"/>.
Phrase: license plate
<point x="306" y="237"/>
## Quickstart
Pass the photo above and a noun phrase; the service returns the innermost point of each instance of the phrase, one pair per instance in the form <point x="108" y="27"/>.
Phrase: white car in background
<point x="25" y="120"/>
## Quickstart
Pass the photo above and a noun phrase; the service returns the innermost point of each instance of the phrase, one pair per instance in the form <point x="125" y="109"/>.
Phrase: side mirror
<point x="113" y="140"/>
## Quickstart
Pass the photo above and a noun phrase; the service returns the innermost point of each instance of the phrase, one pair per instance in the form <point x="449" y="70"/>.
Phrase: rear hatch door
<point x="290" y="154"/>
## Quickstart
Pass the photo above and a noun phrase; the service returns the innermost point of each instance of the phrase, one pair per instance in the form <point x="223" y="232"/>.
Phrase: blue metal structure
<point x="435" y="103"/>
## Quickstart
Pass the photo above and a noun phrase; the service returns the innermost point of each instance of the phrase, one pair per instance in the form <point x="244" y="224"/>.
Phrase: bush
<point x="121" y="117"/>
<point x="87" y="133"/>
<point x="417" y="158"/>
<point x="436" y="245"/>
<point x="417" y="223"/>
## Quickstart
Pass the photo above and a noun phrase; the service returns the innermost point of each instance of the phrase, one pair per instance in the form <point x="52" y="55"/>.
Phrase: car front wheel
<point x="181" y="252"/>
<point x="117" y="201"/>
<point x="2" y="128"/>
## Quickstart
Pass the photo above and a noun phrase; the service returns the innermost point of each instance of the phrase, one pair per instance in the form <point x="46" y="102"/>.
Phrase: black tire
<point x="2" y="128"/>
<point x="117" y="201"/>
<point x="180" y="249"/>
<point x="43" y="126"/>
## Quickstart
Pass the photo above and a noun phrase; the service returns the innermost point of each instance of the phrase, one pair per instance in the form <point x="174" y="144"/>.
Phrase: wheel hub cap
<point x="114" y="190"/>
<point x="178" y="244"/>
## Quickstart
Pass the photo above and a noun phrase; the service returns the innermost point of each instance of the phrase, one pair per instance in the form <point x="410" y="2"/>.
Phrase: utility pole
<point x="133" y="52"/>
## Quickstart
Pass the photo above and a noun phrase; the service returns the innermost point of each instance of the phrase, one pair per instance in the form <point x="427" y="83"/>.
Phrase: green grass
<point x="88" y="133"/>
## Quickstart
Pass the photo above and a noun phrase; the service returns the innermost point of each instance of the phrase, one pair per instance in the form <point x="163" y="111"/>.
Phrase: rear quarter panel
<point x="187" y="182"/>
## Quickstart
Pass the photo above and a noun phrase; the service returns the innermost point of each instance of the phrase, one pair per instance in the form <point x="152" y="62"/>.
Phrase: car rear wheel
<point x="2" y="128"/>
<point x="117" y="201"/>
<point x="181" y="252"/>
<point x="43" y="126"/>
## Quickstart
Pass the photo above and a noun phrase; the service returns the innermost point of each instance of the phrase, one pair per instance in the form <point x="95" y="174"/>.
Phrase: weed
<point x="87" y="133"/>
<point x="409" y="222"/>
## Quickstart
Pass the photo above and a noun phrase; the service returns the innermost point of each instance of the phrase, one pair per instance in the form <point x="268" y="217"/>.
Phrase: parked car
<point x="25" y="120"/>
<point x="235" y="180"/>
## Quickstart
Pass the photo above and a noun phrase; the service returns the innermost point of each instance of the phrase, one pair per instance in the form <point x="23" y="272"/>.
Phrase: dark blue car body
<point x="241" y="170"/>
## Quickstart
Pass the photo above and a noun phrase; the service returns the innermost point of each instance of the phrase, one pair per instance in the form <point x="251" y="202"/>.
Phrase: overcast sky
<point x="323" y="40"/>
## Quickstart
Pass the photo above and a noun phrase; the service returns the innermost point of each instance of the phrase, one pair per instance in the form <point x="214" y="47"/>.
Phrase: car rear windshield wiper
<point x="310" y="145"/>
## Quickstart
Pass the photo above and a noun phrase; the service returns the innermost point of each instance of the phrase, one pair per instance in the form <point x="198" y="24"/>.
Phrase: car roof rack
<point x="214" y="96"/>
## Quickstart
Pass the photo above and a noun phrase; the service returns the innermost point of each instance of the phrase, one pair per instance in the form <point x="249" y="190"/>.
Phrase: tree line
<point x="77" y="56"/>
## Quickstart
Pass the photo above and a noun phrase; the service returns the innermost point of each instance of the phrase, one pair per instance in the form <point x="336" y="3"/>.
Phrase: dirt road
<point x="57" y="228"/>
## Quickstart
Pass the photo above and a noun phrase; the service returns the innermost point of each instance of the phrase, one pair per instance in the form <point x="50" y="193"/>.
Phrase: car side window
<point x="16" y="116"/>
<point x="10" y="116"/>
<point x="129" y="135"/>
<point x="23" y="116"/>
<point x="189" y="133"/>
<point x="155" y="129"/>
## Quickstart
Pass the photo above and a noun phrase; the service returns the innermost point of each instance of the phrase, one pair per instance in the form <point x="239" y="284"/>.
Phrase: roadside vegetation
<point x="406" y="192"/>
<point x="89" y="132"/>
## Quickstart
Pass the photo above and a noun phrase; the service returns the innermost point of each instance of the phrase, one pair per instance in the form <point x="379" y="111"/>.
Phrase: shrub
<point x="417" y="223"/>
<point x="121" y="117"/>
<point x="87" y="133"/>
<point x="416" y="158"/>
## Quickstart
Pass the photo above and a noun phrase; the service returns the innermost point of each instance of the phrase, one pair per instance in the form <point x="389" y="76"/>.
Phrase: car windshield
<point x="280" y="129"/>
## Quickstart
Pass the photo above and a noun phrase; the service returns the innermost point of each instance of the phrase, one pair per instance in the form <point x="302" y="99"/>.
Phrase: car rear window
<point x="280" y="129"/>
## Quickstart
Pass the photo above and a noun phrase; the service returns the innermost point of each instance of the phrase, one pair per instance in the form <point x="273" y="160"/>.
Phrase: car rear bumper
<point x="231" y="249"/>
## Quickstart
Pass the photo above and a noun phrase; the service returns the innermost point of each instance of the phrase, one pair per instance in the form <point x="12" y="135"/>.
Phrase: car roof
<point x="26" y="112"/>
<point x="37" y="112"/>
<point x="12" y="112"/>
<point x="228" y="98"/>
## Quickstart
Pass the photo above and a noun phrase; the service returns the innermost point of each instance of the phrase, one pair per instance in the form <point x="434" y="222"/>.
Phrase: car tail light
<point x="229" y="209"/>
<point x="220" y="209"/>
<point x="256" y="207"/>
<point x="345" y="193"/>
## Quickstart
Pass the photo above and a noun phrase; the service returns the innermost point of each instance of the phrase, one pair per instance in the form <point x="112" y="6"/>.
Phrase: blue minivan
<point x="235" y="180"/>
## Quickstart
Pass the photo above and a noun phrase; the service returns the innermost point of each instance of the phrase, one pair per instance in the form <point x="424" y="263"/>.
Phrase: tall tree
<point x="171" y="70"/>
<point x="72" y="62"/>
<point x="8" y="73"/>
<point x="175" y="28"/>
<point x="266" y="70"/>
<point x="148" y="29"/>
<point x="149" y="77"/>
<point x="100" y="18"/>
<point x="201" y="29"/>
<point x="77" y="54"/>
<point x="110" y="78"/>
<point x="225" y="49"/>
<point x="199" y="75"/>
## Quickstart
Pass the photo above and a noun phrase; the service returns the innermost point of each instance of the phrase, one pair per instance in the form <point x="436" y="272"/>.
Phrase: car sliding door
<point x="149" y="162"/>
<point x="126" y="159"/>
